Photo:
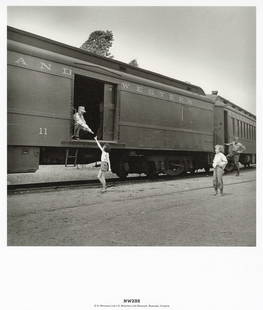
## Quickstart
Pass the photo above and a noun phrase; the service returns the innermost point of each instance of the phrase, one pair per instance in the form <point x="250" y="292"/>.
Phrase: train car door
<point x="109" y="112"/>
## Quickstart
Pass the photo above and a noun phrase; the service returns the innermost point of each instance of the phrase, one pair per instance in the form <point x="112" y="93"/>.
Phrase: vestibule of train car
<point x="98" y="98"/>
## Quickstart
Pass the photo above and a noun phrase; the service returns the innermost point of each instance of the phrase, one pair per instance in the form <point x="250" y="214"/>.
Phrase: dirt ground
<point x="179" y="212"/>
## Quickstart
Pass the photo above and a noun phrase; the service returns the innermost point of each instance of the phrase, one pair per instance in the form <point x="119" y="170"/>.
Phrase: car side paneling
<point x="170" y="121"/>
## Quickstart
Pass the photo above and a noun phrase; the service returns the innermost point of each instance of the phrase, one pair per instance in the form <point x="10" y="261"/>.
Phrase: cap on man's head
<point x="81" y="109"/>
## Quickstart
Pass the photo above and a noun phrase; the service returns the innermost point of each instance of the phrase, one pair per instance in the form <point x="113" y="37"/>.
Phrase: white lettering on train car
<point x="125" y="85"/>
<point x="44" y="66"/>
<point x="43" y="131"/>
<point x="67" y="71"/>
<point x="139" y="89"/>
<point x="21" y="60"/>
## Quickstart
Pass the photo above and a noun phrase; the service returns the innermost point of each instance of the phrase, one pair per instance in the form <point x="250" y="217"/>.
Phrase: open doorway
<point x="90" y="94"/>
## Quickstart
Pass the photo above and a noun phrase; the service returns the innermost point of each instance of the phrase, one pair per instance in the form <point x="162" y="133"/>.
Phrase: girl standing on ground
<point x="105" y="163"/>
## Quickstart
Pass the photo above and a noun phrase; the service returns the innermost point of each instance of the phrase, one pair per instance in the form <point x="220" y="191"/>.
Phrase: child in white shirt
<point x="219" y="164"/>
<point x="105" y="163"/>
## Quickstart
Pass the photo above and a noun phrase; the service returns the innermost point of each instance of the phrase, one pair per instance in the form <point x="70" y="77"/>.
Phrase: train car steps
<point x="69" y="156"/>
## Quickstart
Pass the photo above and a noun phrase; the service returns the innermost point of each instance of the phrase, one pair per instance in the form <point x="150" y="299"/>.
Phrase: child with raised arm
<point x="219" y="164"/>
<point x="105" y="163"/>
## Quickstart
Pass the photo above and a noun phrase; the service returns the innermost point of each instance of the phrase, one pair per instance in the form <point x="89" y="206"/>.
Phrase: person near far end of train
<point x="80" y="123"/>
<point x="105" y="163"/>
<point x="219" y="164"/>
<point x="236" y="149"/>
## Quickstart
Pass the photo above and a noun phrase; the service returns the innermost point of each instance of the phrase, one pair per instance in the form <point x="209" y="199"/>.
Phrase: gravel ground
<point x="169" y="213"/>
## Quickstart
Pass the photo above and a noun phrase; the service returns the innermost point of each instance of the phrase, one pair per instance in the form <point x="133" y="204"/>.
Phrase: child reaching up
<point x="219" y="164"/>
<point x="105" y="163"/>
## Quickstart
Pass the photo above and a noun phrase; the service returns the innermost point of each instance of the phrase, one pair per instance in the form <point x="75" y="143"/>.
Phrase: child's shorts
<point x="104" y="166"/>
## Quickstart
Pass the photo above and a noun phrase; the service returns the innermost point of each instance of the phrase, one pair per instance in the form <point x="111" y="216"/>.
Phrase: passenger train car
<point x="154" y="124"/>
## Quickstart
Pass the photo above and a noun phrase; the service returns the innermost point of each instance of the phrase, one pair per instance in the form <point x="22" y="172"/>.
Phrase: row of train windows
<point x="243" y="130"/>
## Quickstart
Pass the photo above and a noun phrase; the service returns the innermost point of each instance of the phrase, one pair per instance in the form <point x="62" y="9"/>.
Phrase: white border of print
<point x="76" y="278"/>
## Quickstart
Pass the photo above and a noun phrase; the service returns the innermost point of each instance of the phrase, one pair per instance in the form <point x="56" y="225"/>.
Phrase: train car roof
<point x="236" y="107"/>
<point x="61" y="48"/>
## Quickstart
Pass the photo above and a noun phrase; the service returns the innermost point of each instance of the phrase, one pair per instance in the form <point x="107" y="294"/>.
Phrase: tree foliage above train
<point x="99" y="43"/>
<point x="134" y="63"/>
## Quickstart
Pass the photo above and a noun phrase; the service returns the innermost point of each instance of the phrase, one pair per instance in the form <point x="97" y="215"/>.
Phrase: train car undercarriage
<point x="124" y="162"/>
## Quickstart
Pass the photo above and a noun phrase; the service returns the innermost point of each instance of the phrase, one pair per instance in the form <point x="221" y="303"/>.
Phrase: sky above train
<point x="212" y="47"/>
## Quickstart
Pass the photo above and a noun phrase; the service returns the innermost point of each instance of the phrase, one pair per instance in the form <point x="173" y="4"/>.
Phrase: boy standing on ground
<point x="236" y="149"/>
<point x="219" y="164"/>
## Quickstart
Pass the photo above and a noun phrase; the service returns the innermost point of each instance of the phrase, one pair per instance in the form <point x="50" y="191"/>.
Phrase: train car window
<point x="245" y="130"/>
<point x="226" y="129"/>
<point x="233" y="126"/>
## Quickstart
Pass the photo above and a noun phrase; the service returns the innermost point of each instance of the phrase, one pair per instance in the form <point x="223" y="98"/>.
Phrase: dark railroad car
<point x="153" y="123"/>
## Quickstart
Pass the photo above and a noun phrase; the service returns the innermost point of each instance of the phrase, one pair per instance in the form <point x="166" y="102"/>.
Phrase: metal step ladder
<point x="70" y="155"/>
